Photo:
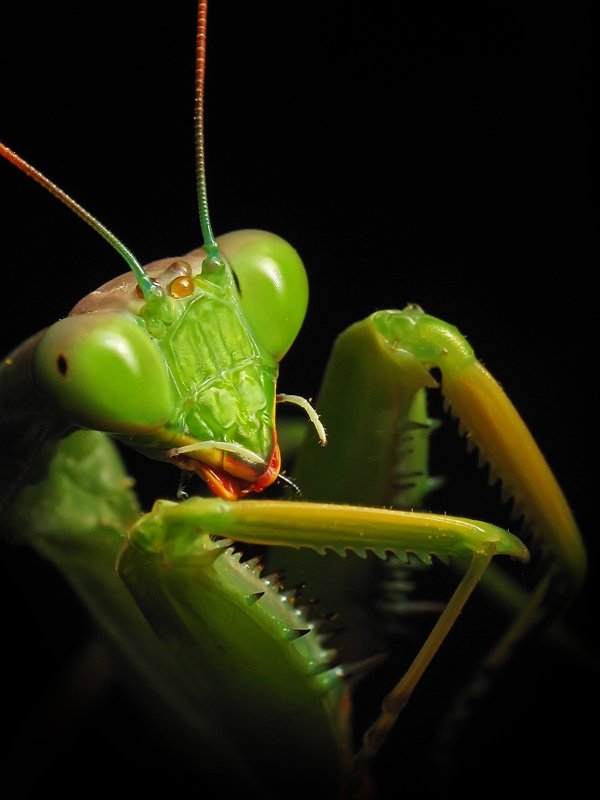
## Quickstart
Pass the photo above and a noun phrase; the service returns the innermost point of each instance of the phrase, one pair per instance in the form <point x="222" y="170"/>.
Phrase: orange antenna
<point x="210" y="245"/>
<point x="145" y="282"/>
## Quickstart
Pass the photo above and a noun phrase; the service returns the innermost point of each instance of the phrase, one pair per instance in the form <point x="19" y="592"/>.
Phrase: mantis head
<point x="188" y="374"/>
<point x="180" y="359"/>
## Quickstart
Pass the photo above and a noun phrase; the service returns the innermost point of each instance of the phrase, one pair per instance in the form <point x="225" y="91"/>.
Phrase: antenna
<point x="210" y="245"/>
<point x="145" y="282"/>
<point x="149" y="288"/>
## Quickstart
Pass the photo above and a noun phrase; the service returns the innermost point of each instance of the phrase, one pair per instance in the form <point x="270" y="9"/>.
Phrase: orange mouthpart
<point x="236" y="479"/>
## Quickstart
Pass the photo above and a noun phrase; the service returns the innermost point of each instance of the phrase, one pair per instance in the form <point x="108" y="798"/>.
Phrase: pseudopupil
<point x="61" y="363"/>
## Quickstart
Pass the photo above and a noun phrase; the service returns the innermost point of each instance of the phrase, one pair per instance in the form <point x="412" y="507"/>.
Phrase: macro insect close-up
<point x="437" y="161"/>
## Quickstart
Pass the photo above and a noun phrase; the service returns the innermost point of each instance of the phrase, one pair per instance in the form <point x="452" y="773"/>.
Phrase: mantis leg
<point x="372" y="401"/>
<point x="193" y="600"/>
<point x="75" y="512"/>
<point x="378" y="369"/>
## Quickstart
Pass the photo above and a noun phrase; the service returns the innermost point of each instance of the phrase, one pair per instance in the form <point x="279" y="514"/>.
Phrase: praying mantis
<point x="358" y="234"/>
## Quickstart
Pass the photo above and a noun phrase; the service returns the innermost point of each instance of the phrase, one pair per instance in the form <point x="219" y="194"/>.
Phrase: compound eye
<point x="103" y="371"/>
<point x="272" y="286"/>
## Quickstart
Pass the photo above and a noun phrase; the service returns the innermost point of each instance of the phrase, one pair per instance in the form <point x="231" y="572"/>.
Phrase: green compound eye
<point x="272" y="284"/>
<point x="102" y="371"/>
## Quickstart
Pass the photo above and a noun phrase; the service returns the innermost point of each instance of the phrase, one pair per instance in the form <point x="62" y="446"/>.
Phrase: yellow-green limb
<point x="323" y="527"/>
<point x="378" y="373"/>
<point x="396" y="700"/>
<point x="390" y="355"/>
<point x="176" y="537"/>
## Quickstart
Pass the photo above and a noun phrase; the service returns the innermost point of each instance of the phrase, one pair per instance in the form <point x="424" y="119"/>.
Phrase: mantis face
<point x="187" y="375"/>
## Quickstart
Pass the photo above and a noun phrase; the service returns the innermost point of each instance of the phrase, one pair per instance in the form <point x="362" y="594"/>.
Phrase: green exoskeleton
<point x="180" y="361"/>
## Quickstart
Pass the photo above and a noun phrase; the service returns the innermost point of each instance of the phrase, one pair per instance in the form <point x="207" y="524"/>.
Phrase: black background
<point x="437" y="154"/>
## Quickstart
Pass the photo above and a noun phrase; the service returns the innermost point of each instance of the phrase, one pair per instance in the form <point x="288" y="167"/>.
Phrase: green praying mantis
<point x="364" y="249"/>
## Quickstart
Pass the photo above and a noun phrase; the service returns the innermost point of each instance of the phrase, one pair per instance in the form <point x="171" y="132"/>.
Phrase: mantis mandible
<point x="327" y="253"/>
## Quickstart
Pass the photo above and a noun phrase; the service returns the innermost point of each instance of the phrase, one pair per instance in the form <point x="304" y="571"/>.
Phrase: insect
<point x="322" y="242"/>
